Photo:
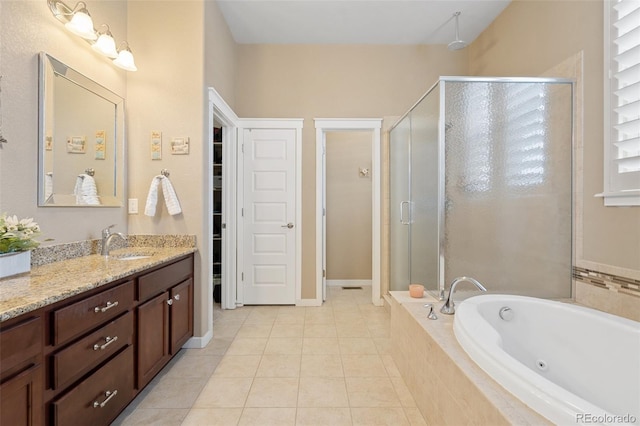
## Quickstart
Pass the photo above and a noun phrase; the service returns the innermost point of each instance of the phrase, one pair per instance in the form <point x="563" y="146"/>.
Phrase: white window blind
<point x="622" y="103"/>
<point x="525" y="109"/>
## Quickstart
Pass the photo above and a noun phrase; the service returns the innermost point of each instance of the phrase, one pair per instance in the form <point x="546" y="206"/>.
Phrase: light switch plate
<point x="133" y="206"/>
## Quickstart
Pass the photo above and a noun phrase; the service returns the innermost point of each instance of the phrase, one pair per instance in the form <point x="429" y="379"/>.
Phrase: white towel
<point x="152" y="197"/>
<point x="86" y="191"/>
<point x="90" y="191"/>
<point x="77" y="191"/>
<point x="170" y="197"/>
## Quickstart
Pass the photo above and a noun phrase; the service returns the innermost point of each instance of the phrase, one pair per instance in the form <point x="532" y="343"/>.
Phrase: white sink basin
<point x="132" y="256"/>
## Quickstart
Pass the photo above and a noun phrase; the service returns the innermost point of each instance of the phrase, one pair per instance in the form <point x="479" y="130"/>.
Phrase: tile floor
<point x="284" y="365"/>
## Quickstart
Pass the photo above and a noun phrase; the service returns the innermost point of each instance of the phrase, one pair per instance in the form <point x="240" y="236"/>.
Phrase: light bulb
<point x="81" y="24"/>
<point x="125" y="60"/>
<point x="106" y="45"/>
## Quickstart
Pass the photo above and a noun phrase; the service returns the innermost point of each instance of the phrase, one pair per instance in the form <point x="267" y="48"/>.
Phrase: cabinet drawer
<point x="88" y="313"/>
<point x="100" y="398"/>
<point x="71" y="363"/>
<point x="159" y="281"/>
<point x="20" y="342"/>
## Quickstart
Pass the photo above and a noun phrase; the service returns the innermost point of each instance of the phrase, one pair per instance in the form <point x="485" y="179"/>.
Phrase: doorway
<point x="222" y="186"/>
<point x="372" y="128"/>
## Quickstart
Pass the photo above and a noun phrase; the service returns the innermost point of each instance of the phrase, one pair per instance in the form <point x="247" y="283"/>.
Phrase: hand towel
<point x="152" y="197"/>
<point x="77" y="191"/>
<point x="170" y="197"/>
<point x="89" y="191"/>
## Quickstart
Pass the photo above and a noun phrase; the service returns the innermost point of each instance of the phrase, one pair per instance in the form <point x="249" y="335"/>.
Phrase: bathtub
<point x="571" y="364"/>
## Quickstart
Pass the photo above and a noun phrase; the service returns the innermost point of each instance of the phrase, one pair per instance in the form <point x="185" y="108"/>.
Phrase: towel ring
<point x="90" y="171"/>
<point x="165" y="172"/>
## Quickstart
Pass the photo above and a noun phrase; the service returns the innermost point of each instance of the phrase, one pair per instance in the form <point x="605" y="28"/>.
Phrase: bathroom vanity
<point x="79" y="339"/>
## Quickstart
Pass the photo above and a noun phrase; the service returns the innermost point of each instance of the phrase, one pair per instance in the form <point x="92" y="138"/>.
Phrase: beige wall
<point x="26" y="28"/>
<point x="348" y="204"/>
<point x="167" y="94"/>
<point x="346" y="81"/>
<point x="530" y="37"/>
<point x="220" y="58"/>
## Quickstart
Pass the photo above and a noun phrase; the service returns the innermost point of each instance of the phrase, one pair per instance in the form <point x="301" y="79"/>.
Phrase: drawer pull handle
<point x="109" y="395"/>
<point x="177" y="297"/>
<point x="108" y="306"/>
<point x="107" y="341"/>
<point x="170" y="302"/>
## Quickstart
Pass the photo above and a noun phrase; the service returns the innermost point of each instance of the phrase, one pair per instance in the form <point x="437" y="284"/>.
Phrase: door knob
<point x="288" y="225"/>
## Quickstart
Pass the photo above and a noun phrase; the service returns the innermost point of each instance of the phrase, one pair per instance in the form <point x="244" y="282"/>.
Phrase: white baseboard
<point x="199" y="342"/>
<point x="308" y="302"/>
<point x="348" y="283"/>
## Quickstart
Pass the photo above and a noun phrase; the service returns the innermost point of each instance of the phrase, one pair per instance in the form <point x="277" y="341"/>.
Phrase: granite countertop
<point x="50" y="283"/>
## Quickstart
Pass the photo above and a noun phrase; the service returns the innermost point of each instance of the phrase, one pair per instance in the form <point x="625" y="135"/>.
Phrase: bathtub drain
<point x="542" y="365"/>
<point x="506" y="313"/>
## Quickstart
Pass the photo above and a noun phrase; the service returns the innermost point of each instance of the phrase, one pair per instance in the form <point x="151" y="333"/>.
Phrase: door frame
<point x="269" y="123"/>
<point x="222" y="112"/>
<point x="324" y="125"/>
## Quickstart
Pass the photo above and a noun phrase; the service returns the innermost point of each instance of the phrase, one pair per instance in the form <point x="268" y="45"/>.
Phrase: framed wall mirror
<point x="81" y="140"/>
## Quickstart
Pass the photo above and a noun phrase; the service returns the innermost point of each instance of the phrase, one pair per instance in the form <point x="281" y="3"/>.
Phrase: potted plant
<point x="17" y="238"/>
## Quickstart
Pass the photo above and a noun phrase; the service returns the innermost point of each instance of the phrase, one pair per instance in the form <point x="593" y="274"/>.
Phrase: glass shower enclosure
<point x="481" y="186"/>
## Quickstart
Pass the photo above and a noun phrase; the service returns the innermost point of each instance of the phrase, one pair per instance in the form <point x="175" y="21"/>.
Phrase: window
<point x="622" y="103"/>
<point x="505" y="136"/>
<point x="526" y="138"/>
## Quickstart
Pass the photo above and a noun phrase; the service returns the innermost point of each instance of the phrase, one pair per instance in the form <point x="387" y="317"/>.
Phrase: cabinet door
<point x="153" y="338"/>
<point x="21" y="399"/>
<point x="181" y="314"/>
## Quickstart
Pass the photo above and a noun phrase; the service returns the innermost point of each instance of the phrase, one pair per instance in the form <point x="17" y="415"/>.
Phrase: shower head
<point x="457" y="44"/>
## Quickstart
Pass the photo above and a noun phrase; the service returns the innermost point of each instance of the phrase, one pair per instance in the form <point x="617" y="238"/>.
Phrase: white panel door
<point x="269" y="217"/>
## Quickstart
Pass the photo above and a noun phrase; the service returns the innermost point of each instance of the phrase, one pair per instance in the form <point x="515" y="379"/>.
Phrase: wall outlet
<point x="133" y="206"/>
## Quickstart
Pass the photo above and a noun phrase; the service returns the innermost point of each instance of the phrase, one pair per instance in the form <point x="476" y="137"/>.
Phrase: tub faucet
<point x="449" y="308"/>
<point x="107" y="236"/>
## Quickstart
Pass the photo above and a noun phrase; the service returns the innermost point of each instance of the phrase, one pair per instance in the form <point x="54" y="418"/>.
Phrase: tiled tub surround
<point x="52" y="282"/>
<point x="607" y="292"/>
<point x="448" y="387"/>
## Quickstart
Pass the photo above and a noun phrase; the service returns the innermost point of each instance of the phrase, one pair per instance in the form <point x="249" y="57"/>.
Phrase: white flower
<point x="17" y="234"/>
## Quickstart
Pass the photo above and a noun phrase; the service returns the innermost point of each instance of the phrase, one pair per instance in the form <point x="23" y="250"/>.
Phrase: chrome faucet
<point x="107" y="236"/>
<point x="449" y="308"/>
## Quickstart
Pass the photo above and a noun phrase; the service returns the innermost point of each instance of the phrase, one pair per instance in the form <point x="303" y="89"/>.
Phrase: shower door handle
<point x="402" y="204"/>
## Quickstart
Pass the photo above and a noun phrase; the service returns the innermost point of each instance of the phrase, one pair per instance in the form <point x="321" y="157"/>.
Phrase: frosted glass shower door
<point x="400" y="140"/>
<point x="508" y="209"/>
<point x="423" y="228"/>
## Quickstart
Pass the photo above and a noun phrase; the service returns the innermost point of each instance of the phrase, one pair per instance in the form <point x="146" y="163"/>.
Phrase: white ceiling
<point x="357" y="21"/>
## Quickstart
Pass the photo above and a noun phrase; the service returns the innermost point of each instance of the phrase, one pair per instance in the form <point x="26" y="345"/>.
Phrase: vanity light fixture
<point x="105" y="43"/>
<point x="81" y="23"/>
<point x="78" y="21"/>
<point x="125" y="59"/>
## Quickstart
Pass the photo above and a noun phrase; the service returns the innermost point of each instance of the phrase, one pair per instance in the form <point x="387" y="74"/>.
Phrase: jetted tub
<point x="571" y="364"/>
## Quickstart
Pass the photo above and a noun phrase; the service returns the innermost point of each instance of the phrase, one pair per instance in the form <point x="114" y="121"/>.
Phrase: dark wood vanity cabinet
<point x="165" y="317"/>
<point x="21" y="379"/>
<point x="82" y="360"/>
